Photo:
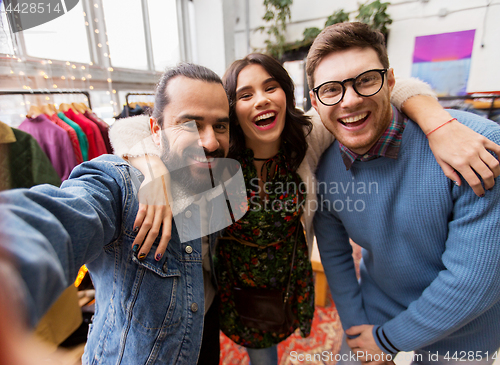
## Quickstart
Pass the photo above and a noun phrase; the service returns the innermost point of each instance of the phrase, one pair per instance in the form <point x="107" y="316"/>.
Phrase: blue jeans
<point x="266" y="356"/>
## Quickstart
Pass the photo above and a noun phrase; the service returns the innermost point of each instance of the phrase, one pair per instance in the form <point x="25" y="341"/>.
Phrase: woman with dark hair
<point x="278" y="147"/>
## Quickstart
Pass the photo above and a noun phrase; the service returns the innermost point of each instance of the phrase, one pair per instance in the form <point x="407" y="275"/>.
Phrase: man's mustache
<point x="218" y="153"/>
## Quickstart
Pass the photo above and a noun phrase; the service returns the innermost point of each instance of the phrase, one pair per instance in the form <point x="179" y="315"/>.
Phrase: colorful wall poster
<point x="443" y="61"/>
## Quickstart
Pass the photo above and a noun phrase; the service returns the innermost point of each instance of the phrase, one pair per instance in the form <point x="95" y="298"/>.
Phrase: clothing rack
<point x="129" y="94"/>
<point x="470" y="97"/>
<point x="45" y="92"/>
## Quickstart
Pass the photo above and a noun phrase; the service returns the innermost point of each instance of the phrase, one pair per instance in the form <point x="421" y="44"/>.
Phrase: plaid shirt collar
<point x="387" y="146"/>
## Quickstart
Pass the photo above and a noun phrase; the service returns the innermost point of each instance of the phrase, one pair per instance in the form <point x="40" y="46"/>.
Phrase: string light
<point x="89" y="76"/>
<point x="54" y="86"/>
<point x="11" y="71"/>
<point x="28" y="103"/>
<point x="107" y="92"/>
<point x="45" y="77"/>
<point x="91" y="63"/>
<point x="47" y="98"/>
<point x="91" y="87"/>
<point x="83" y="79"/>
<point x="84" y="14"/>
<point x="96" y="31"/>
<point x="63" y="77"/>
<point x="96" y="20"/>
<point x="21" y="73"/>
<point x="73" y="66"/>
<point x="110" y="69"/>
<point x="49" y="62"/>
<point x="96" y="6"/>
<point x="83" y="67"/>
<point x="22" y="103"/>
<point x="114" y="91"/>
<point x="87" y="24"/>
<point x="105" y="55"/>
<point x="68" y="63"/>
<point x="99" y="45"/>
<point x="72" y="77"/>
<point x="18" y="60"/>
<point x="109" y="80"/>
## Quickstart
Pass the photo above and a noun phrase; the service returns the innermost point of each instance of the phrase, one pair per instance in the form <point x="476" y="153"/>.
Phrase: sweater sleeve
<point x="470" y="283"/>
<point x="336" y="256"/>
<point x="131" y="137"/>
<point x="405" y="88"/>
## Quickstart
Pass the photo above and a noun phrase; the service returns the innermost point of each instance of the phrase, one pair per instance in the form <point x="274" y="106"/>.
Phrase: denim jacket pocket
<point x="158" y="292"/>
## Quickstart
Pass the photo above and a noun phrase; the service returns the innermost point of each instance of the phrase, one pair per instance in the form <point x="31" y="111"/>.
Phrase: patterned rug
<point x="317" y="349"/>
<point x="325" y="339"/>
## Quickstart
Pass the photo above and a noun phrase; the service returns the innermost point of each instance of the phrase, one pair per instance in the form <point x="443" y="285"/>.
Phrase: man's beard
<point x="181" y="171"/>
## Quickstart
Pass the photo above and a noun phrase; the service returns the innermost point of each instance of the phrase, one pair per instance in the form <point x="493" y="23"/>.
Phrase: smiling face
<point x="260" y="108"/>
<point x="195" y="128"/>
<point x="357" y="122"/>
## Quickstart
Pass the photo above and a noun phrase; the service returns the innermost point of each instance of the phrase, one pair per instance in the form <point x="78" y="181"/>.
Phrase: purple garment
<point x="54" y="141"/>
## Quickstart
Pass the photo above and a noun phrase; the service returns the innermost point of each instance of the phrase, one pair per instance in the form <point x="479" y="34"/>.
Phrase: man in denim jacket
<point x="148" y="310"/>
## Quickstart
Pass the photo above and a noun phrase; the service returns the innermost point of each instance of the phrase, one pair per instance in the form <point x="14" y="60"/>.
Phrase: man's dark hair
<point x="342" y="36"/>
<point x="297" y="125"/>
<point x="188" y="70"/>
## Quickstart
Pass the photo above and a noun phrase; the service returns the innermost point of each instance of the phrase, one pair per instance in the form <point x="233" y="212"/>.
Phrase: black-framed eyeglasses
<point x="365" y="84"/>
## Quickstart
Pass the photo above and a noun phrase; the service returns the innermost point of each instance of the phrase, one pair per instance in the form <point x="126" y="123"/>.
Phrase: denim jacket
<point x="147" y="312"/>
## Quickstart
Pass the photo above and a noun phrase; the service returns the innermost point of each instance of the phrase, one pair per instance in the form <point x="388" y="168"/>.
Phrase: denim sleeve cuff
<point x="383" y="341"/>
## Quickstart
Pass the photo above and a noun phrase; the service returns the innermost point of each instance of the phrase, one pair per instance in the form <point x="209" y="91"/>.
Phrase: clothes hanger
<point x="77" y="108"/>
<point x="34" y="111"/>
<point x="85" y="107"/>
<point x="64" y="107"/>
<point x="46" y="110"/>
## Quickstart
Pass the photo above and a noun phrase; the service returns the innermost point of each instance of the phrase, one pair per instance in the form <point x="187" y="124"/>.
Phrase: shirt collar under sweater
<point x="388" y="145"/>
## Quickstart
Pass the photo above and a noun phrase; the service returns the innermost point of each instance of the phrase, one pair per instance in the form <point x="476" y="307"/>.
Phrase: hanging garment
<point x="82" y="137"/>
<point x="54" y="141"/>
<point x="103" y="127"/>
<point x="72" y="137"/>
<point x="129" y="112"/>
<point x="23" y="164"/>
<point x="95" y="139"/>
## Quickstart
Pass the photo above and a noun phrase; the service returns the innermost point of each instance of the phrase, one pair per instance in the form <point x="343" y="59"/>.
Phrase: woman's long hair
<point x="297" y="125"/>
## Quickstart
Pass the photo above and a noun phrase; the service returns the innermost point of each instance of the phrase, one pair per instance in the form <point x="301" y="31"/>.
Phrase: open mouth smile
<point x="265" y="121"/>
<point x="355" y="120"/>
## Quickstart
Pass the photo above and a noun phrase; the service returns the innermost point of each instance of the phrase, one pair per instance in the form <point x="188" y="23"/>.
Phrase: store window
<point x="164" y="33"/>
<point x="64" y="38"/>
<point x="6" y="45"/>
<point x="125" y="30"/>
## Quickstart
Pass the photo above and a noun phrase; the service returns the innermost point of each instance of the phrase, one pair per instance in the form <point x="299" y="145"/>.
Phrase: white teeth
<point x="353" y="119"/>
<point x="202" y="159"/>
<point x="264" y="116"/>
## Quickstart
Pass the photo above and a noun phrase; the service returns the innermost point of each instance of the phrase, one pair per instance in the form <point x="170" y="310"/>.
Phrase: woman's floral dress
<point x="267" y="267"/>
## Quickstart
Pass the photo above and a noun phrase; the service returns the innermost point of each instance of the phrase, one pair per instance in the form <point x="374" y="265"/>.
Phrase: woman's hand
<point x="458" y="148"/>
<point x="154" y="212"/>
<point x="154" y="208"/>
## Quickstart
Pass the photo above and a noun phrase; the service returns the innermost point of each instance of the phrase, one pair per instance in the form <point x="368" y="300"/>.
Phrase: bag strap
<point x="287" y="292"/>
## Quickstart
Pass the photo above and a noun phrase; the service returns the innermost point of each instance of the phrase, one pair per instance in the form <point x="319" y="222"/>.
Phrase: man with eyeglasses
<point x="430" y="273"/>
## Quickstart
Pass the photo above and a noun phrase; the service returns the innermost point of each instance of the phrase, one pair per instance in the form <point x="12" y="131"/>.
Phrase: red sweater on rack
<point x="96" y="143"/>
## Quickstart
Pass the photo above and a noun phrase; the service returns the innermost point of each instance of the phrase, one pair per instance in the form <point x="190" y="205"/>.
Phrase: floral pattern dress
<point x="267" y="266"/>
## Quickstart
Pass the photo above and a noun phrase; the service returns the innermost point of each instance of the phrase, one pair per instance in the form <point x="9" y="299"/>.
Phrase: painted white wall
<point x="209" y="34"/>
<point x="411" y="18"/>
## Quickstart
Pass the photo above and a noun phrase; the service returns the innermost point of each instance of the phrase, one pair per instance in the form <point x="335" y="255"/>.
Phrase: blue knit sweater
<point x="430" y="273"/>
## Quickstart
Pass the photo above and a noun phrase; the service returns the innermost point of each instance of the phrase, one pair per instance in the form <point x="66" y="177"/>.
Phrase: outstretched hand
<point x="458" y="149"/>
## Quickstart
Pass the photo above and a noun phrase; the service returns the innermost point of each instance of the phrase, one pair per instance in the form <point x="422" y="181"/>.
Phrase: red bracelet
<point x="451" y="120"/>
